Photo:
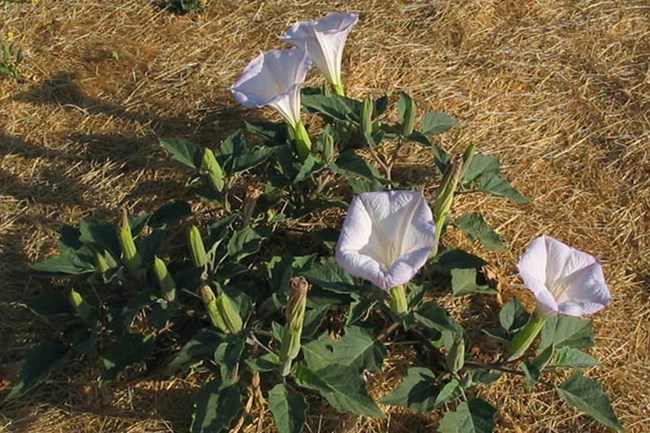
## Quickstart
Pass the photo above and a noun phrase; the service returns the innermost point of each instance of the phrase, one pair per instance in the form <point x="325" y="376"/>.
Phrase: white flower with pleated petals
<point x="386" y="237"/>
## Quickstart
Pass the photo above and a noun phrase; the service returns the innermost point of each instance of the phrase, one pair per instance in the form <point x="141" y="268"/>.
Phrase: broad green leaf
<point x="228" y="355"/>
<point x="587" y="395"/>
<point x="573" y="358"/>
<point x="485" y="377"/>
<point x="449" y="392"/>
<point x="498" y="186"/>
<point x="360" y="185"/>
<point x="217" y="408"/>
<point x="435" y="123"/>
<point x="40" y="362"/>
<point x="476" y="228"/>
<point x="289" y="411"/>
<point x="463" y="282"/>
<point x="183" y="151"/>
<point x="68" y="262"/>
<point x="49" y="305"/>
<point x="485" y="171"/>
<point x="359" y="309"/>
<point x="330" y="276"/>
<point x="252" y="159"/>
<point x="567" y="331"/>
<point x="342" y="387"/>
<point x="129" y="349"/>
<point x="472" y="416"/>
<point x="334" y="107"/>
<point x="267" y="362"/>
<point x="433" y="317"/>
<point x="356" y="349"/>
<point x="272" y="133"/>
<point x="350" y="164"/>
<point x="313" y="319"/>
<point x="244" y="242"/>
<point x="453" y="258"/>
<point x="311" y="165"/>
<point x="513" y="316"/>
<point x="99" y="234"/>
<point x="418" y="391"/>
<point x="199" y="348"/>
<point x="170" y="213"/>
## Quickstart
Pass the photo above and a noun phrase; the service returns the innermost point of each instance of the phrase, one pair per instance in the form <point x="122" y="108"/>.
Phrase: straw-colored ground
<point x="560" y="90"/>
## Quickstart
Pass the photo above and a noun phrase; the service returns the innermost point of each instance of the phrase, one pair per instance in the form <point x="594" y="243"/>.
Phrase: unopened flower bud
<point x="366" y="117"/>
<point x="295" y="317"/>
<point x="165" y="281"/>
<point x="83" y="309"/>
<point x="199" y="256"/>
<point x="101" y="262"/>
<point x="130" y="256"/>
<point x="210" y="166"/>
<point x="409" y="112"/>
<point x="210" y="303"/>
<point x="229" y="314"/>
<point x="447" y="189"/>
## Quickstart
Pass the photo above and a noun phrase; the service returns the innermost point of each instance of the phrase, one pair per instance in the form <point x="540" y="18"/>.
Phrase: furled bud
<point x="295" y="317"/>
<point x="366" y="117"/>
<point x="409" y="110"/>
<point x="130" y="256"/>
<point x="328" y="145"/>
<point x="83" y="309"/>
<point x="165" y="281"/>
<point x="210" y="166"/>
<point x="456" y="356"/>
<point x="101" y="262"/>
<point x="446" y="191"/>
<point x="210" y="303"/>
<point x="468" y="155"/>
<point x="199" y="256"/>
<point x="229" y="313"/>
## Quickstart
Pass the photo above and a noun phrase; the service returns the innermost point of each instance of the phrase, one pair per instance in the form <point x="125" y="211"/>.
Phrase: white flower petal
<point x="532" y="264"/>
<point x="323" y="40"/>
<point x="562" y="260"/>
<point x="546" y="303"/>
<point x="586" y="289"/>
<point x="274" y="78"/>
<point x="386" y="237"/>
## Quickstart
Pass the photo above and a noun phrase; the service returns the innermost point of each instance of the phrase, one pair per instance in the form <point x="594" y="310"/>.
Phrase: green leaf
<point x="485" y="171"/>
<point x="472" y="416"/>
<point x="587" y="395"/>
<point x="267" y="362"/>
<point x="359" y="309"/>
<point x="435" y="123"/>
<point x="313" y="319"/>
<point x="334" y="107"/>
<point x="217" y="408"/>
<point x="349" y="164"/>
<point x="567" y="331"/>
<point x="228" y="355"/>
<point x="272" y="132"/>
<point x="183" y="151"/>
<point x="289" y="411"/>
<point x="40" y="362"/>
<point x="573" y="358"/>
<point x="99" y="234"/>
<point x="476" y="228"/>
<point x="485" y="377"/>
<point x="170" y="213"/>
<point x="129" y="349"/>
<point x="435" y="318"/>
<point x="513" y="316"/>
<point x="342" y="387"/>
<point x="199" y="348"/>
<point x="68" y="262"/>
<point x="327" y="275"/>
<point x="311" y="165"/>
<point x="450" y="392"/>
<point x="497" y="186"/>
<point x="356" y="349"/>
<point x="49" y="305"/>
<point x="463" y="282"/>
<point x="418" y="391"/>
<point x="453" y="258"/>
<point x="244" y="242"/>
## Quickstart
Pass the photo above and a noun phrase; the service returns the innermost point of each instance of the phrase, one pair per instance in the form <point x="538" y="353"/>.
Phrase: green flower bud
<point x="165" y="281"/>
<point x="446" y="191"/>
<point x="468" y="155"/>
<point x="101" y="262"/>
<point x="197" y="248"/>
<point x="366" y="117"/>
<point x="456" y="356"/>
<point x="295" y="317"/>
<point x="210" y="166"/>
<point x="130" y="256"/>
<point x="210" y="303"/>
<point x="83" y="309"/>
<point x="230" y="315"/>
<point x="408" y="114"/>
<point x="302" y="140"/>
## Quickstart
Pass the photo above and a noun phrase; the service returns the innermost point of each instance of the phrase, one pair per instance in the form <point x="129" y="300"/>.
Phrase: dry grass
<point x="560" y="90"/>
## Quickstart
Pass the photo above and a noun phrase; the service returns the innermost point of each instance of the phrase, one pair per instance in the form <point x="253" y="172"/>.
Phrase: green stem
<point x="338" y="88"/>
<point x="398" y="300"/>
<point x="303" y="142"/>
<point x="525" y="337"/>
